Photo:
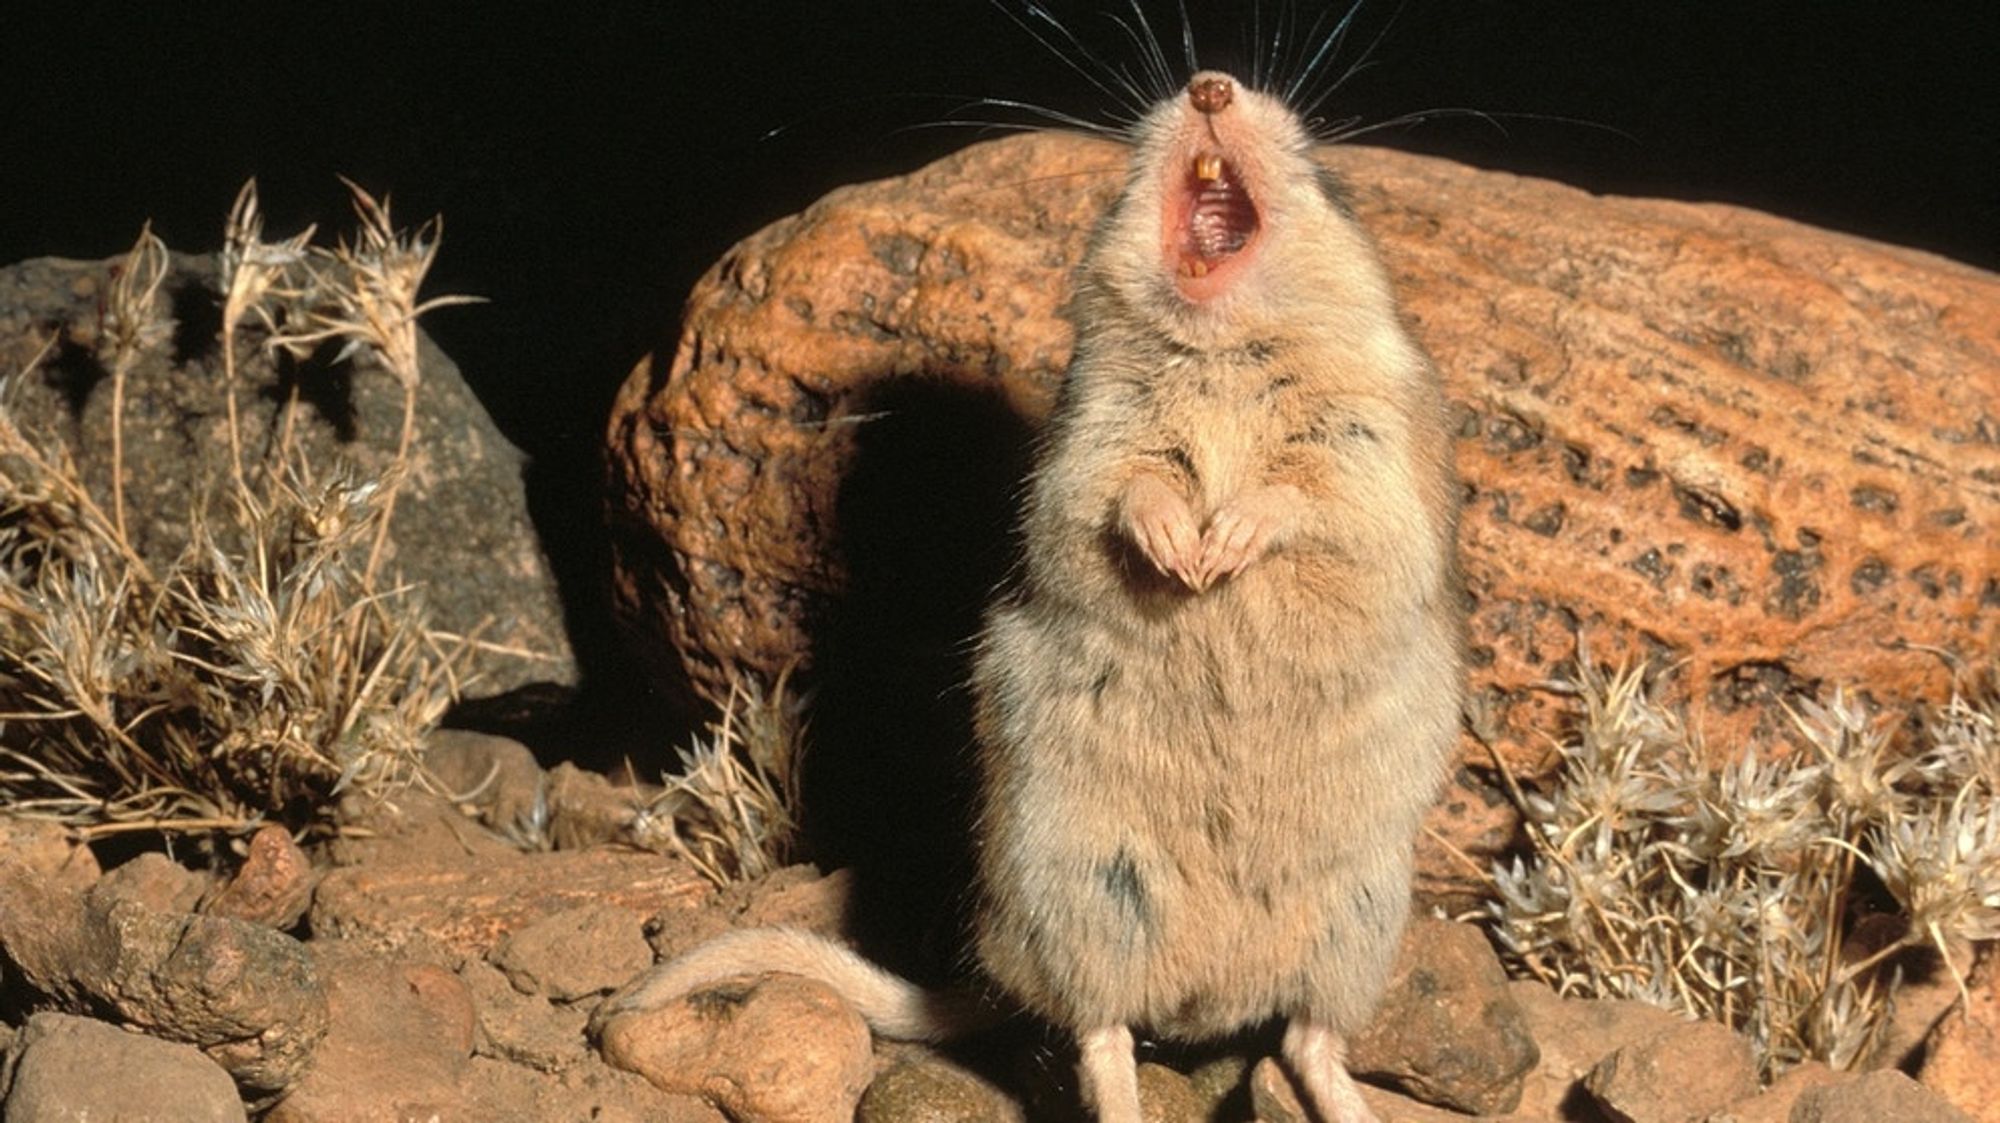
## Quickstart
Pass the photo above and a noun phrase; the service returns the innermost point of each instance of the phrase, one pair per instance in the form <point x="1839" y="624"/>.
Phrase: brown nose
<point x="1210" y="93"/>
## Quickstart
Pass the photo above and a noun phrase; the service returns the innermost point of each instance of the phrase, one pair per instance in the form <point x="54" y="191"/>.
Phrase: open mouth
<point x="1218" y="217"/>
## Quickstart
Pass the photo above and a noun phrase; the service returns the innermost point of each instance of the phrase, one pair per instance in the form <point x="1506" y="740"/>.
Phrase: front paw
<point x="1244" y="530"/>
<point x="1156" y="520"/>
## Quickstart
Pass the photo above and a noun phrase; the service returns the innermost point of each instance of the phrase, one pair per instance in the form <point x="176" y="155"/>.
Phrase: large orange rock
<point x="1763" y="454"/>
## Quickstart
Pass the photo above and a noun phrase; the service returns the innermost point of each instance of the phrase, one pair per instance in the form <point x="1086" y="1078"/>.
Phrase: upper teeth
<point x="1208" y="167"/>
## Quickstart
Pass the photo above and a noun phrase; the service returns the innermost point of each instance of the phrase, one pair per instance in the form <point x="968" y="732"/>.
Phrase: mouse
<point x="1223" y="685"/>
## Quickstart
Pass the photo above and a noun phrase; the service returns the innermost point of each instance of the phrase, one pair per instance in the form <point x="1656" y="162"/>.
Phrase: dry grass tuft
<point x="267" y="669"/>
<point x="1783" y="897"/>
<point x="730" y="812"/>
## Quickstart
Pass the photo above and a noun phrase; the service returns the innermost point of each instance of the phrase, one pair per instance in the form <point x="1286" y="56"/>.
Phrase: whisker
<point x="1076" y="54"/>
<point x="1348" y="131"/>
<point x="1120" y="130"/>
<point x="1329" y="50"/>
<point x="1187" y="38"/>
<point x="1163" y="73"/>
<point x="1327" y="47"/>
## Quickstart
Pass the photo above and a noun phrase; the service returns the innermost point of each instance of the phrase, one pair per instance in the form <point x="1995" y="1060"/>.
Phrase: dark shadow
<point x="197" y="311"/>
<point x="73" y="371"/>
<point x="925" y="521"/>
<point x="322" y="381"/>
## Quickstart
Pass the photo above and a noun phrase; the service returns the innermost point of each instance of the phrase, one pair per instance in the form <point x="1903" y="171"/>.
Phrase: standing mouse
<point x="1215" y="704"/>
<point x="1215" y="708"/>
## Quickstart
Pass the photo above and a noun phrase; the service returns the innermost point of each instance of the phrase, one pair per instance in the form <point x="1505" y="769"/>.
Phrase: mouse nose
<point x="1211" y="92"/>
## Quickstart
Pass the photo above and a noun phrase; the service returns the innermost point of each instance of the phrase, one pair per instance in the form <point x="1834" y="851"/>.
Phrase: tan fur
<point x="1201" y="793"/>
<point x="1216" y="705"/>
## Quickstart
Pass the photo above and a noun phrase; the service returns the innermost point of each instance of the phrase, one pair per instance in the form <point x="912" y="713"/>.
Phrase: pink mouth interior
<point x="1218" y="219"/>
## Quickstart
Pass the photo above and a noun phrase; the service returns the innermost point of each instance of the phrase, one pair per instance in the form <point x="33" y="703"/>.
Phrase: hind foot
<point x="1318" y="1059"/>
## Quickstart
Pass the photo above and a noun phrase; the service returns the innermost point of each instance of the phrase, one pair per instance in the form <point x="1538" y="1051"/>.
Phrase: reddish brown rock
<point x="509" y="1093"/>
<point x="47" y="851"/>
<point x="398" y="1041"/>
<point x="1774" y="1104"/>
<point x="1962" y="1057"/>
<point x="273" y="886"/>
<point x="1572" y="1035"/>
<point x="925" y="1088"/>
<point x="587" y="808"/>
<point x="1928" y="992"/>
<point x="766" y="1049"/>
<point x="575" y="953"/>
<point x="246" y="996"/>
<point x="1685" y="1073"/>
<point x="1275" y="1100"/>
<point x="76" y="1070"/>
<point x="154" y="880"/>
<point x="1718" y="439"/>
<point x="1448" y="1031"/>
<point x="1165" y="1096"/>
<point x="524" y="1029"/>
<point x="496" y="777"/>
<point x="1877" y="1097"/>
<point x="463" y="909"/>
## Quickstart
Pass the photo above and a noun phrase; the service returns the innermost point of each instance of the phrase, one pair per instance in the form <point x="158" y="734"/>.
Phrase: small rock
<point x="798" y="897"/>
<point x="77" y="1070"/>
<point x="47" y="850"/>
<point x="1220" y="1081"/>
<point x="1929" y="990"/>
<point x="1274" y="1100"/>
<point x="272" y="887"/>
<point x="1448" y="1031"/>
<point x="1882" y="1096"/>
<point x="509" y="1093"/>
<point x="410" y="827"/>
<point x="1165" y="1096"/>
<point x="154" y="880"/>
<point x="766" y="1049"/>
<point x="1962" y="1058"/>
<point x="525" y="1029"/>
<point x="793" y="897"/>
<point x="398" y="1040"/>
<point x="242" y="993"/>
<point x="497" y="777"/>
<point x="1774" y="1104"/>
<point x="575" y="953"/>
<point x="925" y="1088"/>
<point x="465" y="908"/>
<point x="1573" y="1035"/>
<point x="1683" y="1073"/>
<point x="587" y="808"/>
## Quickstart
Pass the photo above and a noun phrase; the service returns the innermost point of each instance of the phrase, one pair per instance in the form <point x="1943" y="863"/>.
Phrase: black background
<point x="592" y="158"/>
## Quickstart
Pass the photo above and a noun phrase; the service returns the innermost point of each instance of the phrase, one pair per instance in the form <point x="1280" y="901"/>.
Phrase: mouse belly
<point x="1183" y="833"/>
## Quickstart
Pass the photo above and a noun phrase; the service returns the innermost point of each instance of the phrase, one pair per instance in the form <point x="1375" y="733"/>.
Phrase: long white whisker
<point x="1344" y="135"/>
<point x="1120" y="129"/>
<point x="1187" y="38"/>
<point x="1153" y="51"/>
<point x="1129" y="99"/>
<point x="1328" y="46"/>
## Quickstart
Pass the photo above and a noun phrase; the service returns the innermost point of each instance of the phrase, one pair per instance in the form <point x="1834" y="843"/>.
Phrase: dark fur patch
<point x="1106" y="675"/>
<point x="1180" y="461"/>
<point x="1334" y="189"/>
<point x="1121" y="880"/>
<point x="1277" y="385"/>
<point x="1336" y="430"/>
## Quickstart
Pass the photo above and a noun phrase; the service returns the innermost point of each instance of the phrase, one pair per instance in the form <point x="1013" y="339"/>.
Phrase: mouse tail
<point x="891" y="1005"/>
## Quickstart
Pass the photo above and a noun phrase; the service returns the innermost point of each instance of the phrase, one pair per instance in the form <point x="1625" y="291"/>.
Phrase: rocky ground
<point x="421" y="966"/>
